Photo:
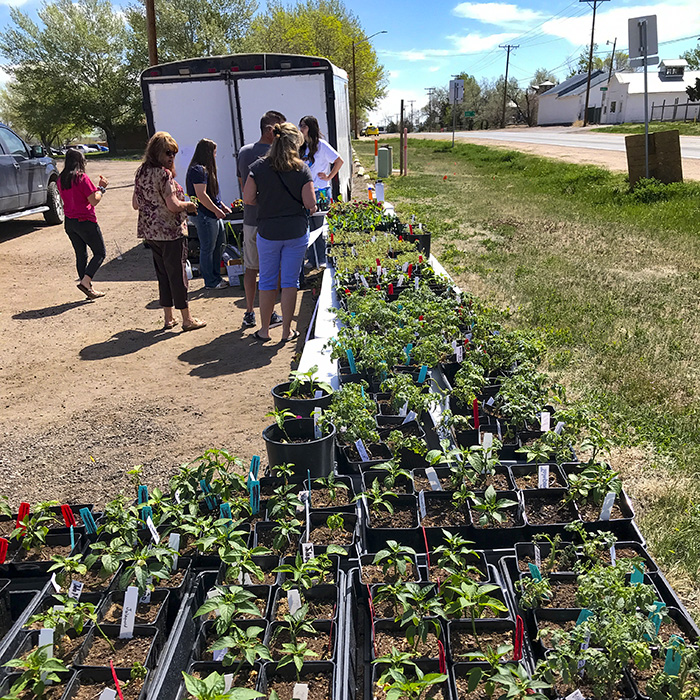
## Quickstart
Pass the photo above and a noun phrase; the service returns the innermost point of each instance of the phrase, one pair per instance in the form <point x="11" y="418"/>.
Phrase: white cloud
<point x="13" y="3"/>
<point x="394" y="74"/>
<point x="434" y="69"/>
<point x="473" y="43"/>
<point x="4" y="75"/>
<point x="500" y="13"/>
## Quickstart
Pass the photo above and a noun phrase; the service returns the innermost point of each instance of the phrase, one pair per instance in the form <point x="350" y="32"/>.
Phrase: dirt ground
<point x="90" y="389"/>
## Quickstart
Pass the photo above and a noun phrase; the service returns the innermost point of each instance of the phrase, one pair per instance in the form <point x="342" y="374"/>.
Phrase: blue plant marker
<point x="583" y="616"/>
<point x="637" y="574"/>
<point x="407" y="352"/>
<point x="143" y="493"/>
<point x="72" y="538"/>
<point x="351" y="361"/>
<point x="90" y="526"/>
<point x="672" y="664"/>
<point x="308" y="476"/>
<point x="254" y="494"/>
<point x="225" y="513"/>
<point x="422" y="374"/>
<point x="655" y="616"/>
<point x="146" y="512"/>
<point x="362" y="392"/>
<point x="255" y="466"/>
<point x="535" y="572"/>
<point x="209" y="500"/>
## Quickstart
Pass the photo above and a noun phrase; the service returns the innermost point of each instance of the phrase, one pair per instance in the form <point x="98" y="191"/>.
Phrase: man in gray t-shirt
<point x="246" y="157"/>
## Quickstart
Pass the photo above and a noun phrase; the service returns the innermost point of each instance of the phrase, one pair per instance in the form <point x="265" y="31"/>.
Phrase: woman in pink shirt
<point x="80" y="197"/>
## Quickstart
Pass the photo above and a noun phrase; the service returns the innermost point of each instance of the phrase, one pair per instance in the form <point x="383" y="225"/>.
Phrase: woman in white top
<point x="325" y="163"/>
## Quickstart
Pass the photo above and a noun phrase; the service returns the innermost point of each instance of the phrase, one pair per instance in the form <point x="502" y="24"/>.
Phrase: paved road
<point x="690" y="145"/>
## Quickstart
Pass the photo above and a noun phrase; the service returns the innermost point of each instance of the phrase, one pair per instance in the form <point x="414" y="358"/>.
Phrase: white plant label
<point x="177" y="497"/>
<point x="490" y="401"/>
<point x="404" y="267"/>
<point x="228" y="682"/>
<point x="543" y="476"/>
<point x="613" y="555"/>
<point x="454" y="346"/>
<point x="303" y="497"/>
<point x="379" y="271"/>
<point x="212" y="594"/>
<point x="108" y="694"/>
<point x="399" y="282"/>
<point x="606" y="510"/>
<point x="300" y="692"/>
<point x="363" y="279"/>
<point x="559" y="427"/>
<point x="498" y="427"/>
<point x="487" y="441"/>
<point x="421" y="504"/>
<point x="146" y="597"/>
<point x="75" y="590"/>
<point x="459" y="353"/>
<point x="293" y="600"/>
<point x="131" y="599"/>
<point x="218" y="654"/>
<point x="354" y="252"/>
<point x="152" y="530"/>
<point x="318" y="394"/>
<point x="54" y="583"/>
<point x="174" y="544"/>
<point x="576" y="695"/>
<point x="316" y="415"/>
<point x="545" y="418"/>
<point x="411" y="415"/>
<point x="404" y="409"/>
<point x="307" y="551"/>
<point x="247" y="581"/>
<point x="416" y="282"/>
<point x="46" y="640"/>
<point x="435" y="484"/>
<point x="362" y="450"/>
<point x="538" y="556"/>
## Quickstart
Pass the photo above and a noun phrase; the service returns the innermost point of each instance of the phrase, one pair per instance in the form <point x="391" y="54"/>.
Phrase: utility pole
<point x="411" y="103"/>
<point x="431" y="92"/>
<point x="590" y="62"/>
<point x="354" y="77"/>
<point x="509" y="47"/>
<point x="151" y="29"/>
<point x="612" y="58"/>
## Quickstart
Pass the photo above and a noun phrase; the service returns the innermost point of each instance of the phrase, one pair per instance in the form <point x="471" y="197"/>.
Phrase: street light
<point x="354" y="78"/>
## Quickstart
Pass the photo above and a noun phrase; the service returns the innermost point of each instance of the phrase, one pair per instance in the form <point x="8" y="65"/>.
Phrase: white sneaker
<point x="222" y="285"/>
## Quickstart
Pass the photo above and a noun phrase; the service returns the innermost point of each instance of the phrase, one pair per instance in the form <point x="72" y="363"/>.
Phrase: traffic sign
<point x="603" y="89"/>
<point x="469" y="113"/>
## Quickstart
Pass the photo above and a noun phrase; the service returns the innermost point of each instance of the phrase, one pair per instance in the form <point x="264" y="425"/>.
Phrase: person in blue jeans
<point x="203" y="184"/>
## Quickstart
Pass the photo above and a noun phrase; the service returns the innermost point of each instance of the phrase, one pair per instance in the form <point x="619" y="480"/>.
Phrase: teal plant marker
<point x="255" y="466"/>
<point x="351" y="361"/>
<point x="146" y="513"/>
<point x="583" y="616"/>
<point x="362" y="392"/>
<point x="672" y="664"/>
<point x="655" y="616"/>
<point x="143" y="493"/>
<point x="637" y="574"/>
<point x="535" y="572"/>
<point x="89" y="521"/>
<point x="422" y="374"/>
<point x="407" y="352"/>
<point x="254" y="495"/>
<point x="72" y="538"/>
<point x="209" y="499"/>
<point x="225" y="514"/>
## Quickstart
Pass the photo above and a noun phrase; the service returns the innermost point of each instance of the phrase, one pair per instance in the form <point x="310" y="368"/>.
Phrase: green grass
<point x="685" y="128"/>
<point x="612" y="281"/>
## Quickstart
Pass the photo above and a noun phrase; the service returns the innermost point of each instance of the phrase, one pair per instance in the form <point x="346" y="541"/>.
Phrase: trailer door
<point x="194" y="109"/>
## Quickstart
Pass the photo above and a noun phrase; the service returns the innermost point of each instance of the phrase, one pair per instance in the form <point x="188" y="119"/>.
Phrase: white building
<point x="623" y="100"/>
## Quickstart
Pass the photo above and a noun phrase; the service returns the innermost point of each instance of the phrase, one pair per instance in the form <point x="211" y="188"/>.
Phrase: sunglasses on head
<point x="171" y="154"/>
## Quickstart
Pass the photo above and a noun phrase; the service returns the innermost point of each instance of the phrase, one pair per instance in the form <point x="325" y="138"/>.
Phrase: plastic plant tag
<point x="518" y="642"/>
<point x="672" y="663"/>
<point x="583" y="616"/>
<point x="362" y="450"/>
<point x="131" y="600"/>
<point x="400" y="281"/>
<point x="143" y="494"/>
<point x="613" y="555"/>
<point x="145" y="599"/>
<point x="307" y="551"/>
<point x="608" y="502"/>
<point x="545" y="418"/>
<point x="54" y="583"/>
<point x="351" y="361"/>
<point x="538" y="555"/>
<point x="487" y="441"/>
<point x="318" y="394"/>
<point x="363" y="279"/>
<point x="559" y="427"/>
<point x="116" y="680"/>
<point x="432" y="476"/>
<point x="254" y="495"/>
<point x="68" y="516"/>
<point x="637" y="575"/>
<point x="442" y="664"/>
<point x="407" y="352"/>
<point x="490" y="401"/>
<point x="535" y="572"/>
<point x="293" y="600"/>
<point x="301" y="691"/>
<point x="411" y="415"/>
<point x="152" y="529"/>
<point x="177" y="497"/>
<point x="416" y="282"/>
<point x="108" y="694"/>
<point x="655" y="615"/>
<point x="404" y="267"/>
<point x="421" y="504"/>
<point x="498" y="428"/>
<point x="576" y="695"/>
<point x="307" y="507"/>
<point x="22" y="513"/>
<point x="46" y="640"/>
<point x="225" y="511"/>
<point x="422" y="374"/>
<point x="255" y="466"/>
<point x="4" y="544"/>
<point x="75" y="590"/>
<point x="353" y="251"/>
<point x="90" y="526"/>
<point x="316" y="415"/>
<point x="459" y="354"/>
<point x="218" y="654"/>
<point x="543" y="476"/>
<point x="475" y="412"/>
<point x="174" y="544"/>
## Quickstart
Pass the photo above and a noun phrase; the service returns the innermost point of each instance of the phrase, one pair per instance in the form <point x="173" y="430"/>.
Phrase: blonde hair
<point x="156" y="147"/>
<point x="284" y="151"/>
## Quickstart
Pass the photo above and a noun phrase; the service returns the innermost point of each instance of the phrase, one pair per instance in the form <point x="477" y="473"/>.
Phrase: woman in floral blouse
<point x="163" y="223"/>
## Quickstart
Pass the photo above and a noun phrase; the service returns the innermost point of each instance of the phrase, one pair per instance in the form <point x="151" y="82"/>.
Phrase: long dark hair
<point x="72" y="167"/>
<point x="204" y="156"/>
<point x="310" y="146"/>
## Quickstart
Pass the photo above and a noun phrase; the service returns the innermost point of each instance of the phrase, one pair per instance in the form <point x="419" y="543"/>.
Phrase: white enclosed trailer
<point x="223" y="97"/>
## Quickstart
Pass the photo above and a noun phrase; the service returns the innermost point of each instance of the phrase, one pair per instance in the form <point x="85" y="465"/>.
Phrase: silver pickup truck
<point x="27" y="180"/>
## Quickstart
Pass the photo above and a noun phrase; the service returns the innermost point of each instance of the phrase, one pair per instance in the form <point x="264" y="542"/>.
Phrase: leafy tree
<point x="322" y="28"/>
<point x="621" y="62"/>
<point x="189" y="28"/>
<point x="80" y="47"/>
<point x="694" y="92"/>
<point x="543" y="75"/>
<point x="693" y="58"/>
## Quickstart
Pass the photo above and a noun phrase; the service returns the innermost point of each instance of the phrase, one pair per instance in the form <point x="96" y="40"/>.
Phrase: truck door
<point x="9" y="188"/>
<point x="28" y="170"/>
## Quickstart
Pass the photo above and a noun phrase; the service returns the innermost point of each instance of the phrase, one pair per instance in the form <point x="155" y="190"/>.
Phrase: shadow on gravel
<point x="33" y="314"/>
<point x="231" y="353"/>
<point x="124" y="343"/>
<point x="136" y="265"/>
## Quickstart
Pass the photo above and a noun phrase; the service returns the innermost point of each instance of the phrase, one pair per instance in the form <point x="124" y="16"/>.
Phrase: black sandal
<point x="257" y="336"/>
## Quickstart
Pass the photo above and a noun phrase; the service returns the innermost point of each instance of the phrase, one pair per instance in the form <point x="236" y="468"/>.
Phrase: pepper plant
<point x="491" y="508"/>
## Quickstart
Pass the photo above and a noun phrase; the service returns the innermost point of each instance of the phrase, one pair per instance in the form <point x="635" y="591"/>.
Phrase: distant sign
<point x="457" y="90"/>
<point x="643" y="37"/>
<point x="603" y="89"/>
<point x="469" y="113"/>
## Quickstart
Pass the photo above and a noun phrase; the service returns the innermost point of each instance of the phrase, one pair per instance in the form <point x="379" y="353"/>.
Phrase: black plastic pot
<point x="438" y="504"/>
<point x="267" y="562"/>
<point x="40" y="567"/>
<point x="398" y="635"/>
<point x="534" y="500"/>
<point x="101" y="678"/>
<point x="112" y="631"/>
<point x="313" y="455"/>
<point x="443" y="474"/>
<point x="401" y="486"/>
<point x="351" y="526"/>
<point x="367" y="559"/>
<point x="377" y="535"/>
<point x="203" y="669"/>
<point x="457" y="628"/>
<point x="557" y="478"/>
<point x="309" y="670"/>
<point x="262" y="538"/>
<point x="326" y="593"/>
<point x="525" y="554"/>
<point x="426" y="667"/>
<point x="201" y="651"/>
<point x="299" y="407"/>
<point x="379" y="454"/>
<point x="348" y="507"/>
<point x="322" y="627"/>
<point x="159" y="599"/>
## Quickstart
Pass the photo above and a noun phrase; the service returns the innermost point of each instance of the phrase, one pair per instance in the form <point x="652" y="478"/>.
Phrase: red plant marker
<point x="445" y="177"/>
<point x="68" y="516"/>
<point x="391" y="288"/>
<point x="441" y="657"/>
<point x="518" y="645"/>
<point x="116" y="680"/>
<point x="409" y="272"/>
<point x="22" y="513"/>
<point x="475" y="408"/>
<point x="4" y="544"/>
<point x="379" y="287"/>
<point x="379" y="262"/>
<point x="420" y="318"/>
<point x="331" y="237"/>
<point x="427" y="549"/>
<point x="420" y="258"/>
<point x="400" y="238"/>
<point x="410" y="229"/>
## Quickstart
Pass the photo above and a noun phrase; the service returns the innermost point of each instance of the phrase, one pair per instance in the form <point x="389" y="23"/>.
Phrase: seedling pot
<point x="299" y="406"/>
<point x="309" y="455"/>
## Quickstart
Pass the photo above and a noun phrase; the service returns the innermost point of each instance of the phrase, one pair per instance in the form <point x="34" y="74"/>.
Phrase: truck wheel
<point x="55" y="204"/>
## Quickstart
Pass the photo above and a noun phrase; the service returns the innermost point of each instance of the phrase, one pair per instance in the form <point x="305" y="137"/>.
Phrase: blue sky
<point x="426" y="43"/>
